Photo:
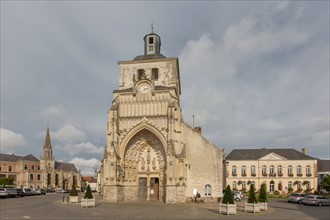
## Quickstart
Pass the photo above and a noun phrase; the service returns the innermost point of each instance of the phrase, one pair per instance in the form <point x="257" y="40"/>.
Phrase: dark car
<point x="11" y="192"/>
<point x="41" y="191"/>
<point x="20" y="192"/>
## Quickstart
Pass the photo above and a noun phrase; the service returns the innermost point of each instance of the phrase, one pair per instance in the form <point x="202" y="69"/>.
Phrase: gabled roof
<point x="9" y="157"/>
<point x="256" y="154"/>
<point x="29" y="157"/>
<point x="89" y="179"/>
<point x="323" y="165"/>
<point x="68" y="167"/>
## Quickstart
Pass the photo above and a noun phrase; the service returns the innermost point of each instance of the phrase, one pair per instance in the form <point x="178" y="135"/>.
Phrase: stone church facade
<point x="151" y="153"/>
<point x="47" y="173"/>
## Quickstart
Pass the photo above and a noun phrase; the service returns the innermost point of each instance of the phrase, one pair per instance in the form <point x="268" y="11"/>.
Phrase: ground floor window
<point x="208" y="190"/>
<point x="271" y="186"/>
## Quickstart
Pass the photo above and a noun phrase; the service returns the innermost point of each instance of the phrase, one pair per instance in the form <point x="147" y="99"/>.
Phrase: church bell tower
<point x="144" y="154"/>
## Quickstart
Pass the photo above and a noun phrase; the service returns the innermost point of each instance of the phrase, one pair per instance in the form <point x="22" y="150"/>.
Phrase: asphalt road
<point x="50" y="206"/>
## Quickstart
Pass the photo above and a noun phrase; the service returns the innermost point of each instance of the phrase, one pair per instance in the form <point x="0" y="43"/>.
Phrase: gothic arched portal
<point x="145" y="165"/>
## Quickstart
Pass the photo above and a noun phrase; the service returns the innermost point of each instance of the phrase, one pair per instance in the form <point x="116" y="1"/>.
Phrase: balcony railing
<point x="272" y="174"/>
<point x="299" y="174"/>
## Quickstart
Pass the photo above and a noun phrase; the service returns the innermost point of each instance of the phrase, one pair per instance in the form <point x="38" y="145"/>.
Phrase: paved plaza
<point x="51" y="207"/>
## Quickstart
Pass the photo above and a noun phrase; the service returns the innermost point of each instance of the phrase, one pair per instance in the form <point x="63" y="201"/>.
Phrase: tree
<point x="88" y="194"/>
<point x="326" y="183"/>
<point x="263" y="193"/>
<point x="73" y="191"/>
<point x="6" y="182"/>
<point x="228" y="197"/>
<point x="252" y="195"/>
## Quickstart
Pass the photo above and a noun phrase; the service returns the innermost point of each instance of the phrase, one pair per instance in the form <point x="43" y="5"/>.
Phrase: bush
<point x="263" y="193"/>
<point x="228" y="197"/>
<point x="88" y="194"/>
<point x="73" y="191"/>
<point x="252" y="195"/>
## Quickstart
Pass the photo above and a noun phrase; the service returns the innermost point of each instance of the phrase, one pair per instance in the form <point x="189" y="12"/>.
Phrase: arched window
<point x="264" y="169"/>
<point x="299" y="170"/>
<point x="243" y="170"/>
<point x="233" y="170"/>
<point x="308" y="170"/>
<point x="289" y="169"/>
<point x="271" y="169"/>
<point x="253" y="170"/>
<point x="243" y="185"/>
<point x="31" y="176"/>
<point x="234" y="185"/>
<point x="279" y="169"/>
<point x="289" y="185"/>
<point x="208" y="190"/>
<point x="38" y="177"/>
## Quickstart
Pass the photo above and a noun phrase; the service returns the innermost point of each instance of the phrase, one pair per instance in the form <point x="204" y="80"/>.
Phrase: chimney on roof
<point x="304" y="151"/>
<point x="198" y="130"/>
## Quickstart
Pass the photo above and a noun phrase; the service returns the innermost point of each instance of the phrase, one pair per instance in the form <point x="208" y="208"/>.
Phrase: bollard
<point x="63" y="199"/>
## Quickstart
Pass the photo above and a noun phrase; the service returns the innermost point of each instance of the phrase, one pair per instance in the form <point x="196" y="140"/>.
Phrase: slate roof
<point x="323" y="165"/>
<point x="255" y="154"/>
<point x="149" y="57"/>
<point x="9" y="157"/>
<point x="29" y="157"/>
<point x="68" y="167"/>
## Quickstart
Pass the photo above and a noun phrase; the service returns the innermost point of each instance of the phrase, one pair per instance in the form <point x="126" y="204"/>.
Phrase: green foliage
<point x="326" y="183"/>
<point x="6" y="182"/>
<point x="263" y="193"/>
<point x="228" y="197"/>
<point x="252" y="195"/>
<point x="73" y="191"/>
<point x="88" y="194"/>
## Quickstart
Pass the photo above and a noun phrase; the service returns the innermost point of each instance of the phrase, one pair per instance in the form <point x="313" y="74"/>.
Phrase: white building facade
<point x="283" y="170"/>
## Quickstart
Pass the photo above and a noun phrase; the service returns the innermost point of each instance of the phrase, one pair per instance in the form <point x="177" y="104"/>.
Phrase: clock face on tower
<point x="144" y="88"/>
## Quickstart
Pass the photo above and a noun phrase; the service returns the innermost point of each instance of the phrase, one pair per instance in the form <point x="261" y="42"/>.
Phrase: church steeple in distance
<point x="47" y="153"/>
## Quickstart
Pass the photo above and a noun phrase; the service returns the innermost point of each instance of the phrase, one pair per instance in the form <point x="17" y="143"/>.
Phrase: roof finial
<point x="152" y="26"/>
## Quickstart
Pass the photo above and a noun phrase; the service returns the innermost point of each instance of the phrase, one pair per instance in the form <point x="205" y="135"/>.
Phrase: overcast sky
<point x="254" y="74"/>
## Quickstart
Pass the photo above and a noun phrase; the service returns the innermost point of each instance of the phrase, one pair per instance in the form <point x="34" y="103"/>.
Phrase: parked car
<point x="41" y="191"/>
<point x="35" y="192"/>
<point x="3" y="193"/>
<point x="237" y="196"/>
<point x="20" y="192"/>
<point x="316" y="200"/>
<point x="11" y="192"/>
<point x="296" y="197"/>
<point x="27" y="192"/>
<point x="50" y="190"/>
<point x="241" y="194"/>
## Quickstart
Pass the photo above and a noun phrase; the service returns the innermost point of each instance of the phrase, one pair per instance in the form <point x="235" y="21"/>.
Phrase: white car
<point x="3" y="193"/>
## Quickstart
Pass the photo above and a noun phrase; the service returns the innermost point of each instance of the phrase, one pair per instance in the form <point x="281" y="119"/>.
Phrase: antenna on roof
<point x="193" y="121"/>
<point x="152" y="26"/>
